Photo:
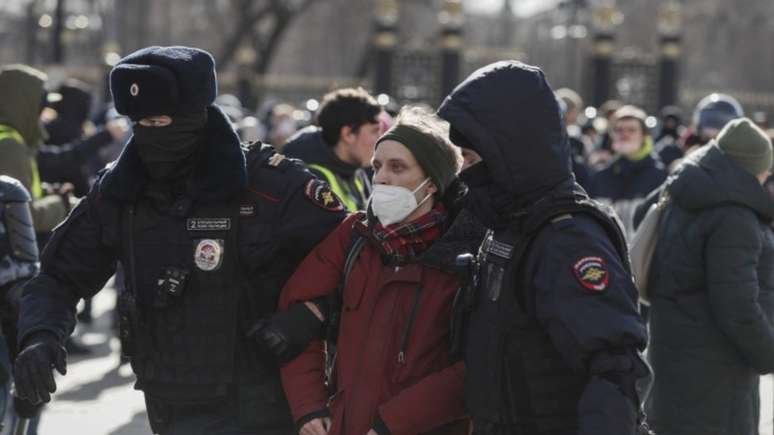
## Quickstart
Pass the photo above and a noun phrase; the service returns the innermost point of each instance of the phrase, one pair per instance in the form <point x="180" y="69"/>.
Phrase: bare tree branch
<point x="248" y="19"/>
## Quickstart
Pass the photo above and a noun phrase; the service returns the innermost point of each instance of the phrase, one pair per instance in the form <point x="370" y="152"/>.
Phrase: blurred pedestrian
<point x="571" y="103"/>
<point x="634" y="172"/>
<point x="392" y="372"/>
<point x="282" y="125"/>
<point x="341" y="145"/>
<point x="711" y="288"/>
<point x="21" y="135"/>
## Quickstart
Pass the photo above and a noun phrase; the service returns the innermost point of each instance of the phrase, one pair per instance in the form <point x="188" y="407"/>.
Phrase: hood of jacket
<point x="221" y="173"/>
<point x="308" y="145"/>
<point x="507" y="111"/>
<point x="708" y="178"/>
<point x="22" y="88"/>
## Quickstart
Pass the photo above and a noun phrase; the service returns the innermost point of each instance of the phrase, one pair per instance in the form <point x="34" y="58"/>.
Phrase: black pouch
<point x="170" y="286"/>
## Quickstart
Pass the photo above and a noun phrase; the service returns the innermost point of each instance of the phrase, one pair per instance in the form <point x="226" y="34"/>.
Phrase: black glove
<point x="25" y="409"/>
<point x="285" y="335"/>
<point x="33" y="367"/>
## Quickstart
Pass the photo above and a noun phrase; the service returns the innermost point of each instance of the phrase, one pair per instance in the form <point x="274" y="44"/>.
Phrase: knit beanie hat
<point x="436" y="156"/>
<point x="747" y="145"/>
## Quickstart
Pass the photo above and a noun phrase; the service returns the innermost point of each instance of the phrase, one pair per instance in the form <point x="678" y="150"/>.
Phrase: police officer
<point x="340" y="147"/>
<point x="553" y="331"/>
<point x="207" y="231"/>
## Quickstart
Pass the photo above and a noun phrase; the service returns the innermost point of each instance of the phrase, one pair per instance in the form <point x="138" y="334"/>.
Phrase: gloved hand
<point x="33" y="367"/>
<point x="285" y="335"/>
<point x="25" y="409"/>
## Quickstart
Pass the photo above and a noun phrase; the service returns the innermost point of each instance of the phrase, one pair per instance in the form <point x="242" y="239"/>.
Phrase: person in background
<point x="571" y="104"/>
<point x="711" y="288"/>
<point x="341" y="145"/>
<point x="21" y="135"/>
<point x="634" y="172"/>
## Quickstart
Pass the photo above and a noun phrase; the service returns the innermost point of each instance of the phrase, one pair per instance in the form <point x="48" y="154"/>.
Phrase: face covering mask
<point x="392" y="204"/>
<point x="170" y="152"/>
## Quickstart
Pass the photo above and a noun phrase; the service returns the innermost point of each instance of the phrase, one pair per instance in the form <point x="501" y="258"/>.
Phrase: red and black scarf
<point x="402" y="242"/>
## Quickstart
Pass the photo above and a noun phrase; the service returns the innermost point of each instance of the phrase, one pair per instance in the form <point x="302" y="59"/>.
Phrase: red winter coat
<point x="417" y="393"/>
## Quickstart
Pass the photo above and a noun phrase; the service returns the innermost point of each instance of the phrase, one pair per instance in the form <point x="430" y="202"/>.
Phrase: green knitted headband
<point x="436" y="160"/>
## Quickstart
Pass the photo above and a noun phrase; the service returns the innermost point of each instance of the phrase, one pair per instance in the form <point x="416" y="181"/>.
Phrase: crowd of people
<point x="382" y="270"/>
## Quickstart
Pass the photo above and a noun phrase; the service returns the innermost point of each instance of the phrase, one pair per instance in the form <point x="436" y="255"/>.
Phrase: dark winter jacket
<point x="712" y="296"/>
<point x="21" y="91"/>
<point x="509" y="115"/>
<point x="269" y="215"/>
<point x="624" y="184"/>
<point x="349" y="182"/>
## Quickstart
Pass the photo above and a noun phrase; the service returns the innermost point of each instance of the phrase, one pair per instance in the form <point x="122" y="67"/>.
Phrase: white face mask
<point x="394" y="203"/>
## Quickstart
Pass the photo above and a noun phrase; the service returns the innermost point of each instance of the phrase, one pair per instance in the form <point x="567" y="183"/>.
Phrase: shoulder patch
<point x="322" y="196"/>
<point x="592" y="273"/>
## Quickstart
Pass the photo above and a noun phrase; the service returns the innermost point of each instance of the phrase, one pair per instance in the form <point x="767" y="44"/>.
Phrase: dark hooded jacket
<point x="21" y="135"/>
<point x="712" y="294"/>
<point x="508" y="114"/>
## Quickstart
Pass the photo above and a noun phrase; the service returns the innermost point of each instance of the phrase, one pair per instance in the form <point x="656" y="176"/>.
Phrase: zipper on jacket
<point x="407" y="330"/>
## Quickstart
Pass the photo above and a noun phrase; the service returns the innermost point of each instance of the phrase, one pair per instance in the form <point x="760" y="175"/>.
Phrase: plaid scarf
<point x="402" y="242"/>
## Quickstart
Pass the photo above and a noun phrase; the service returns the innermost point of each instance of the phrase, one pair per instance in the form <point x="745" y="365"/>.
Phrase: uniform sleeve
<point x="308" y="218"/>
<point x="430" y="403"/>
<point x="75" y="265"/>
<point x="732" y="253"/>
<point x="303" y="378"/>
<point x="586" y="301"/>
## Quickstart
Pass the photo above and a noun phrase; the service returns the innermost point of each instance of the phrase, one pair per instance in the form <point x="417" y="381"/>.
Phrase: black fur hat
<point x="163" y="81"/>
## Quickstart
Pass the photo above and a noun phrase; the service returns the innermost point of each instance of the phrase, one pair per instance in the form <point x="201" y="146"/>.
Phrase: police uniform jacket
<point x="552" y="343"/>
<point x="201" y="266"/>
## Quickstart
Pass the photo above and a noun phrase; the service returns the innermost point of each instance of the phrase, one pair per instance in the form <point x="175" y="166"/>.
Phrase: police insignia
<point x="321" y="195"/>
<point x="592" y="273"/>
<point x="208" y="254"/>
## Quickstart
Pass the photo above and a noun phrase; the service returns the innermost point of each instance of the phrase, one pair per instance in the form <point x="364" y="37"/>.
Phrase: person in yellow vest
<point x="340" y="147"/>
<point x="22" y="96"/>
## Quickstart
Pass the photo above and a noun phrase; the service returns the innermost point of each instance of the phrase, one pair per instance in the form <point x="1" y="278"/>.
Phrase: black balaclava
<point x="486" y="200"/>
<point x="170" y="153"/>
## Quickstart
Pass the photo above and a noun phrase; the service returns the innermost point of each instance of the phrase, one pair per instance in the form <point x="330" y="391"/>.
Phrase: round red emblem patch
<point x="592" y="273"/>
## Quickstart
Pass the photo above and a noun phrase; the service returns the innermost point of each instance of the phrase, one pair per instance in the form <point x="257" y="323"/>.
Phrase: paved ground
<point x="96" y="397"/>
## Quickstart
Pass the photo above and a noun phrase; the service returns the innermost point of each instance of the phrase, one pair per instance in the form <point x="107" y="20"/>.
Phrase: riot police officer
<point x="207" y="231"/>
<point x="552" y="327"/>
